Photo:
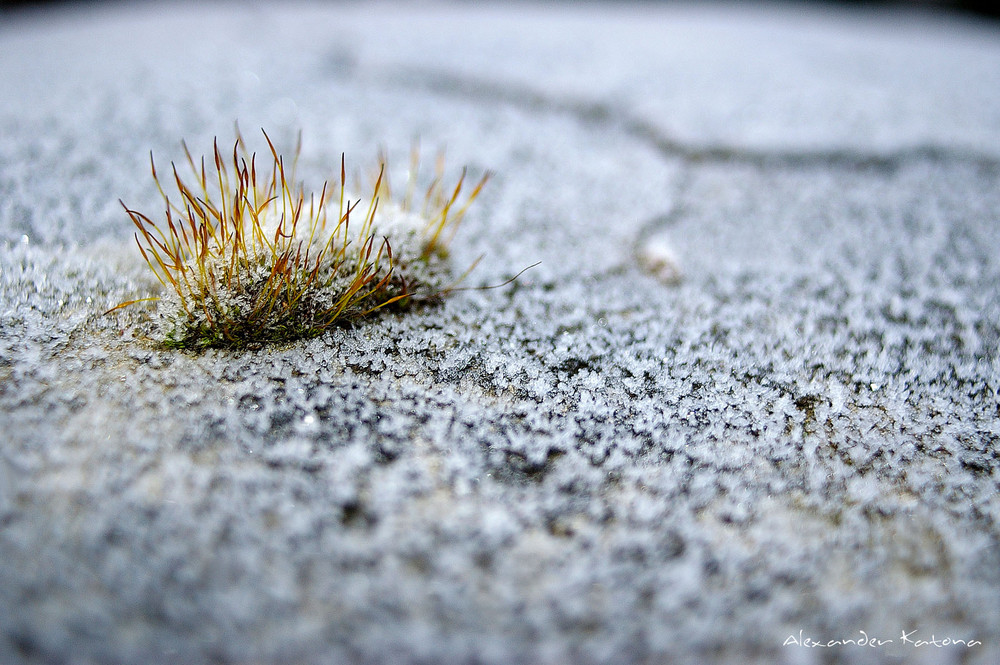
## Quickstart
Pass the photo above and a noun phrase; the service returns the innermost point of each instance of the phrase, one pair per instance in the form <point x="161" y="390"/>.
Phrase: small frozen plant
<point x="247" y="257"/>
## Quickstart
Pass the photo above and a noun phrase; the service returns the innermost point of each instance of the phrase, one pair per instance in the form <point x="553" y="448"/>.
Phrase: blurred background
<point x="981" y="7"/>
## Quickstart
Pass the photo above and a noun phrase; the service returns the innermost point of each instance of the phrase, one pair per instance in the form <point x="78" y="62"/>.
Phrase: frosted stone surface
<point x="590" y="465"/>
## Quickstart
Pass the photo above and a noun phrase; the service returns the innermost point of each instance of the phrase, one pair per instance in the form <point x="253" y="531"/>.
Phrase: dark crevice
<point x="599" y="113"/>
<point x="662" y="221"/>
<point x="516" y="468"/>
<point x="611" y="118"/>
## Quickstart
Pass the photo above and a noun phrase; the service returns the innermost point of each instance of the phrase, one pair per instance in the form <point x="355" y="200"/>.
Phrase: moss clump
<point x="246" y="257"/>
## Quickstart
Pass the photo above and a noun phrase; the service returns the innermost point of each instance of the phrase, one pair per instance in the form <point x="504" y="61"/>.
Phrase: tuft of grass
<point x="246" y="257"/>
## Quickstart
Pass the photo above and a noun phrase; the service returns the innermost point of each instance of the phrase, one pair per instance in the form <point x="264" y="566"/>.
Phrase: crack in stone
<point x="669" y="148"/>
<point x="600" y="113"/>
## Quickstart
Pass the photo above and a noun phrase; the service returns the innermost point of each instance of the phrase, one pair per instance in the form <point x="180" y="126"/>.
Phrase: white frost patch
<point x="658" y="258"/>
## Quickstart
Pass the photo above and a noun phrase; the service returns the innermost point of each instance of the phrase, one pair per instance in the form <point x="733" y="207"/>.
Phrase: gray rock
<point x="589" y="465"/>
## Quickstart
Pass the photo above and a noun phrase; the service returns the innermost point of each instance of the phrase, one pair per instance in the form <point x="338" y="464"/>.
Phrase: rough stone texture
<point x="586" y="466"/>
